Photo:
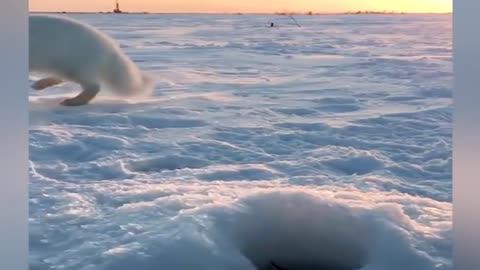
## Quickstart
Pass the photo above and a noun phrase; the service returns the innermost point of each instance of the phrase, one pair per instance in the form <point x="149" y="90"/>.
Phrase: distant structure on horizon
<point x="375" y="12"/>
<point x="117" y="7"/>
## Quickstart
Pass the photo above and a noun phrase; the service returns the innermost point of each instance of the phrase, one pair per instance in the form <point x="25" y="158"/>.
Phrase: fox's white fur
<point x="64" y="49"/>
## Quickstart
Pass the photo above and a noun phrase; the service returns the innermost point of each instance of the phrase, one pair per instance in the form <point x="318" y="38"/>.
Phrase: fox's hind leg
<point x="88" y="93"/>
<point x="46" y="82"/>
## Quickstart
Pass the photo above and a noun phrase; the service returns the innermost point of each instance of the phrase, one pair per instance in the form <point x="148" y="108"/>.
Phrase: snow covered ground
<point x="326" y="146"/>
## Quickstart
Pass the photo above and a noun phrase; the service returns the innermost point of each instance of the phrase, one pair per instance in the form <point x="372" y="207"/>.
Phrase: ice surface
<point x="321" y="147"/>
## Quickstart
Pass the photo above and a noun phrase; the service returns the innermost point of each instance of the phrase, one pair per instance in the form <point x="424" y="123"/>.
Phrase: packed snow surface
<point x="325" y="146"/>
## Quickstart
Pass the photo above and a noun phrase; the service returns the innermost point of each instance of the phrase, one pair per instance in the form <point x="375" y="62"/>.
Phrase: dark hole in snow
<point x="297" y="231"/>
<point x="299" y="266"/>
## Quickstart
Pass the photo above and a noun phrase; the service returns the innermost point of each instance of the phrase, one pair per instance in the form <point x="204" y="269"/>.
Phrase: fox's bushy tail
<point x="123" y="77"/>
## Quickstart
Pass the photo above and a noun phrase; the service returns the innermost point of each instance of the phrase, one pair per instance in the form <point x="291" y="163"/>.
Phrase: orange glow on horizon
<point x="245" y="6"/>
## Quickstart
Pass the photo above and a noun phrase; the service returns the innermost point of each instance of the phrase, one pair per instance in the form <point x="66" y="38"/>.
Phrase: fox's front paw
<point x="44" y="83"/>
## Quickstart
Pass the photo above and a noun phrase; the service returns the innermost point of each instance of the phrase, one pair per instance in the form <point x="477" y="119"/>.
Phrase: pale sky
<point x="230" y="6"/>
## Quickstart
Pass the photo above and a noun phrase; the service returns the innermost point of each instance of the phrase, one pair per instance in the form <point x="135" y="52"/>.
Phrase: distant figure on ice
<point x="63" y="49"/>
<point x="272" y="24"/>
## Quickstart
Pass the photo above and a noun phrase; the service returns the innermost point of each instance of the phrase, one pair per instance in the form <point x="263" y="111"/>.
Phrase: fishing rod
<point x="272" y="24"/>
<point x="291" y="16"/>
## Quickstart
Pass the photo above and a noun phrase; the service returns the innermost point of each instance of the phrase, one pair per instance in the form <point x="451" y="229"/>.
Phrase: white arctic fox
<point x="66" y="50"/>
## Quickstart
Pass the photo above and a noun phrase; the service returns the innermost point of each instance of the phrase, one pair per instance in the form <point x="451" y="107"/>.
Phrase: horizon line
<point x="366" y="12"/>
